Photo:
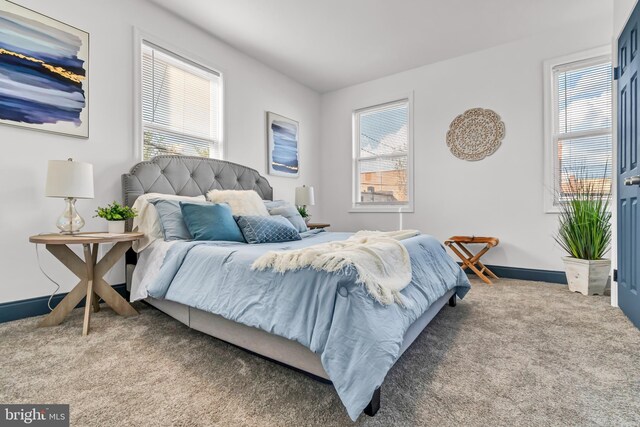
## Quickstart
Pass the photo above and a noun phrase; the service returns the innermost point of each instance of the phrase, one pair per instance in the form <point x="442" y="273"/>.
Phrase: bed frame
<point x="194" y="176"/>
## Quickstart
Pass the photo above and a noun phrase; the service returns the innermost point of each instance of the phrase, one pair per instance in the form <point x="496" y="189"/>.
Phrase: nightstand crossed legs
<point x="470" y="260"/>
<point x="91" y="285"/>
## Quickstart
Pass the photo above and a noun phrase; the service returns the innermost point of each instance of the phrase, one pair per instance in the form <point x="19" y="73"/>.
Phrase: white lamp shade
<point x="305" y="196"/>
<point x="66" y="178"/>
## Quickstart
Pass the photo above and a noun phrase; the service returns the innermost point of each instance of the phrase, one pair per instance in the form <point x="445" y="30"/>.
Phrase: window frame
<point x="356" y="205"/>
<point x="551" y="125"/>
<point x="141" y="37"/>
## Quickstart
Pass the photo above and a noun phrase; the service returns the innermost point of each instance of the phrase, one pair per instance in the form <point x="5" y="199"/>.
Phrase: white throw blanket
<point x="381" y="261"/>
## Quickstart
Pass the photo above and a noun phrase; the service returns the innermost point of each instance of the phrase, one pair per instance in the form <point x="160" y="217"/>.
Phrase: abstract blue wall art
<point x="43" y="72"/>
<point x="282" y="134"/>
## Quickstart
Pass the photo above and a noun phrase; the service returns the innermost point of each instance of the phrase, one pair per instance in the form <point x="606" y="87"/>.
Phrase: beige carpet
<point x="518" y="353"/>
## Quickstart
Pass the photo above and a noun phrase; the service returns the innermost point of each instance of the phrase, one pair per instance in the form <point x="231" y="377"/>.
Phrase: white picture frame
<point x="57" y="99"/>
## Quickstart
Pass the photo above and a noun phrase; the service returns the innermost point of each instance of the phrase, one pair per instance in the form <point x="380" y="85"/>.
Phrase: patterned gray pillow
<point x="267" y="229"/>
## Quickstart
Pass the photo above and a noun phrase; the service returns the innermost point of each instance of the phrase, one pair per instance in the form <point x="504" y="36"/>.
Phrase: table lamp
<point x="305" y="196"/>
<point x="69" y="180"/>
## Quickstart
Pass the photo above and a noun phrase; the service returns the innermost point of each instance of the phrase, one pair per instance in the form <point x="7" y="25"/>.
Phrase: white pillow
<point x="148" y="221"/>
<point x="242" y="203"/>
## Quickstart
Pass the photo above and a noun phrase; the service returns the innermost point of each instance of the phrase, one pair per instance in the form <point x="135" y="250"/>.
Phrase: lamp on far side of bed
<point x="305" y="197"/>
<point x="69" y="180"/>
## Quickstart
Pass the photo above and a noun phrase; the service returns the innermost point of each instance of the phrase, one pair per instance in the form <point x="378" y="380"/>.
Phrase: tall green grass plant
<point x="584" y="231"/>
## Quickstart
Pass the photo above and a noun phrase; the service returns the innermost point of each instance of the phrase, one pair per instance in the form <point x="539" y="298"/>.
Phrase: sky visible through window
<point x="383" y="132"/>
<point x="584" y="107"/>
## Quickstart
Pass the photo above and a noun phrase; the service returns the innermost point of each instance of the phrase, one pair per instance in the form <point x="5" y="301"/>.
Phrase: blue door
<point x="628" y="172"/>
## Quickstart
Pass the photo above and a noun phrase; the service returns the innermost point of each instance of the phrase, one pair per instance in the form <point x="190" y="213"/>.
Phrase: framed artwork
<point x="44" y="76"/>
<point x="282" y="136"/>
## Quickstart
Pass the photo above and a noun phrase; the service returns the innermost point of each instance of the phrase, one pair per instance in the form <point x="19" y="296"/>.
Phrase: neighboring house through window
<point x="181" y="105"/>
<point x="579" y="131"/>
<point x="382" y="157"/>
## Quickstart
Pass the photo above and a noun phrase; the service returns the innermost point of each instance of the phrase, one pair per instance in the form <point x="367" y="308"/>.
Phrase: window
<point x="581" y="131"/>
<point x="181" y="106"/>
<point x="382" y="157"/>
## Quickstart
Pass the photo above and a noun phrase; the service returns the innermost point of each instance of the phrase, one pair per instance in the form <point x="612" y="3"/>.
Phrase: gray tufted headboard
<point x="190" y="176"/>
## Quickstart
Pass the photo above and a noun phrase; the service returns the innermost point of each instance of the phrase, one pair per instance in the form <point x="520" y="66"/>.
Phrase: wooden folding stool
<point x="469" y="260"/>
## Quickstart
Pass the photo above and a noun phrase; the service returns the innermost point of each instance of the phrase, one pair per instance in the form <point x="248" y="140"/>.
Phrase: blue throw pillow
<point x="211" y="221"/>
<point x="173" y="226"/>
<point x="267" y="229"/>
<point x="291" y="213"/>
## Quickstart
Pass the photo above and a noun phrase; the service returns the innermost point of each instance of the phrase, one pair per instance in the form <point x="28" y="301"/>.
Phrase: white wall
<point x="621" y="11"/>
<point x="251" y="89"/>
<point x="501" y="195"/>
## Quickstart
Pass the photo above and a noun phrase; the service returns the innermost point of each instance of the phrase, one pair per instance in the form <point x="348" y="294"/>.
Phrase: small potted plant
<point x="116" y="216"/>
<point x="302" y="210"/>
<point x="584" y="233"/>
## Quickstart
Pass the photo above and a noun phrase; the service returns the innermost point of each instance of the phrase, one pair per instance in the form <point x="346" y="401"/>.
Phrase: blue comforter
<point x="357" y="338"/>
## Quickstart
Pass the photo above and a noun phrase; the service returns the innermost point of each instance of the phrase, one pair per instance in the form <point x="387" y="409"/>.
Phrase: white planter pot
<point x="589" y="277"/>
<point x="116" y="227"/>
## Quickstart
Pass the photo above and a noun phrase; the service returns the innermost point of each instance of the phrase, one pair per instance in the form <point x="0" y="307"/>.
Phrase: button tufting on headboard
<point x="190" y="176"/>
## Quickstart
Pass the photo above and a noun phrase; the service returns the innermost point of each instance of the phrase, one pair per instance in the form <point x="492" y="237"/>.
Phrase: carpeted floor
<point x="518" y="353"/>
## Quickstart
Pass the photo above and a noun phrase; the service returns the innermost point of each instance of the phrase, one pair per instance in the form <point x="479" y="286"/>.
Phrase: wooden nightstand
<point x="469" y="260"/>
<point x="313" y="226"/>
<point x="90" y="272"/>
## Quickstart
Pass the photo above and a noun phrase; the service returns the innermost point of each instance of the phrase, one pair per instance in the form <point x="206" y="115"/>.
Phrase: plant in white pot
<point x="584" y="233"/>
<point x="304" y="213"/>
<point x="116" y="216"/>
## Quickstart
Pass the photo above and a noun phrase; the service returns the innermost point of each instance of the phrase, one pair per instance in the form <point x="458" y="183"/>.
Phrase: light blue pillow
<point x="211" y="221"/>
<point x="271" y="204"/>
<point x="173" y="226"/>
<point x="291" y="213"/>
<point x="267" y="229"/>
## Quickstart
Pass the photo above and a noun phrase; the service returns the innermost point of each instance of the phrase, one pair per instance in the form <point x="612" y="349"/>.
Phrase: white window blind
<point x="582" y="132"/>
<point x="382" y="154"/>
<point x="181" y="106"/>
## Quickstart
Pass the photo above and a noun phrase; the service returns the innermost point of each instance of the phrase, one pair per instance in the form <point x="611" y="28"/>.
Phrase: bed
<point x="208" y="287"/>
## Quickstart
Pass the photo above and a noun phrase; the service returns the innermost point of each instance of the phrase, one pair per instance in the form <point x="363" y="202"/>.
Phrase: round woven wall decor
<point x="475" y="134"/>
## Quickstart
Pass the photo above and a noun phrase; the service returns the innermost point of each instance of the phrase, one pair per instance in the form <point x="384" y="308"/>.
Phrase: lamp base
<point x="70" y="222"/>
